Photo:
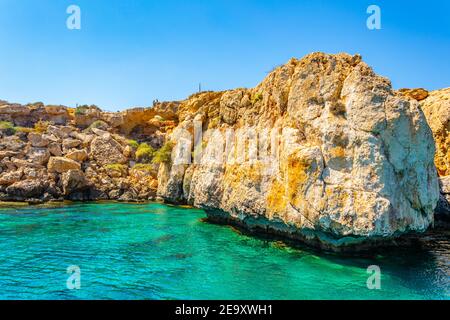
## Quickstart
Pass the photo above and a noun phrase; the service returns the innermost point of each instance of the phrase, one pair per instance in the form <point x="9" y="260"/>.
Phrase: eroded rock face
<point x="436" y="108"/>
<point x="437" y="111"/>
<point x="322" y="150"/>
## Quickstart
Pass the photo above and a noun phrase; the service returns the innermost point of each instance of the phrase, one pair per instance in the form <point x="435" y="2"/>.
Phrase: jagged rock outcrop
<point x="323" y="150"/>
<point x="436" y="108"/>
<point x="437" y="111"/>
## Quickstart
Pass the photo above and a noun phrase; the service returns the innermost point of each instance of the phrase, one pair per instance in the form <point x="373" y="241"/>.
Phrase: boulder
<point x="61" y="132"/>
<point x="27" y="189"/>
<point x="21" y="163"/>
<point x="105" y="150"/>
<point x="55" y="149"/>
<point x="101" y="133"/>
<point x="11" y="177"/>
<point x="129" y="196"/>
<point x="114" y="194"/>
<point x="38" y="155"/>
<point x="78" y="155"/>
<point x="84" y="137"/>
<point x="128" y="152"/>
<point x="38" y="140"/>
<point x="8" y="154"/>
<point x="61" y="165"/>
<point x="70" y="143"/>
<point x="73" y="181"/>
<point x="12" y="144"/>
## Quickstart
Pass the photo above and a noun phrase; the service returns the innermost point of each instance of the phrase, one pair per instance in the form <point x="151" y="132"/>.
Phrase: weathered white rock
<point x="350" y="160"/>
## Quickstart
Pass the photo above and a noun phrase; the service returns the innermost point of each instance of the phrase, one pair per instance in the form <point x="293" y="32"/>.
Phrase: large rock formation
<point x="437" y="111"/>
<point x="323" y="150"/>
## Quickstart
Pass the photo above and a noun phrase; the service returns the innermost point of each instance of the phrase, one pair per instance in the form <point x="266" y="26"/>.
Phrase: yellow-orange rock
<point x="418" y="94"/>
<point x="437" y="111"/>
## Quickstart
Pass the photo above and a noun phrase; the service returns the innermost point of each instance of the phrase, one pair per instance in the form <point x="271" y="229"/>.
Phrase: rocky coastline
<point x="323" y="151"/>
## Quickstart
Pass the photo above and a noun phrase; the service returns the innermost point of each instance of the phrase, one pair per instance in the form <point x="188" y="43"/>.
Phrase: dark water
<point x="154" y="251"/>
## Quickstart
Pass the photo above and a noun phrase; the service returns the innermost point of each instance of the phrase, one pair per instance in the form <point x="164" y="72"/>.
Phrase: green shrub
<point x="24" y="129"/>
<point x="41" y="126"/>
<point x="82" y="110"/>
<point x="144" y="167"/>
<point x="116" y="167"/>
<point x="4" y="125"/>
<point x="133" y="143"/>
<point x="99" y="124"/>
<point x="257" y="97"/>
<point x="164" y="155"/>
<point x="214" y="123"/>
<point x="7" y="127"/>
<point x="159" y="118"/>
<point x="144" y="153"/>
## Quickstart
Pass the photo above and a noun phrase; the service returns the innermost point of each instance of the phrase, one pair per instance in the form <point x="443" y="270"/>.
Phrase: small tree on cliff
<point x="144" y="153"/>
<point x="164" y="155"/>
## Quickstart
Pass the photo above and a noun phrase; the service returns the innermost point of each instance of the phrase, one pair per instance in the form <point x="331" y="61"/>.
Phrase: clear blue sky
<point x="131" y="52"/>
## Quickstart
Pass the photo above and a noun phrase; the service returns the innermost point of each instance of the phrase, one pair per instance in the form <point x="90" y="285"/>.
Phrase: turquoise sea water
<point x="153" y="251"/>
